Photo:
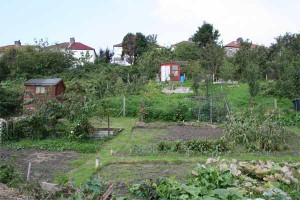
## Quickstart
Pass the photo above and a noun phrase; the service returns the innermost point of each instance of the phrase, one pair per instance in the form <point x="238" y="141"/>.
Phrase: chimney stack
<point x="72" y="40"/>
<point x="18" y="43"/>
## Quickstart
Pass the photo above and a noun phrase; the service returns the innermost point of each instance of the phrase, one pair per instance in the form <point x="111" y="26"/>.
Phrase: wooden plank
<point x="108" y="193"/>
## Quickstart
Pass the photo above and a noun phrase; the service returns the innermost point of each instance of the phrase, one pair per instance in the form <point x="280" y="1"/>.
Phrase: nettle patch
<point x="257" y="133"/>
<point x="224" y="179"/>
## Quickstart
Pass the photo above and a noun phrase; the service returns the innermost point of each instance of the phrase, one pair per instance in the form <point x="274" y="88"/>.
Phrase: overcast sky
<point x="103" y="23"/>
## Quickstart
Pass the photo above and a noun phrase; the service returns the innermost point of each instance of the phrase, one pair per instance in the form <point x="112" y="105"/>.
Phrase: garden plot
<point x="192" y="132"/>
<point x="144" y="140"/>
<point x="122" y="174"/>
<point x="44" y="164"/>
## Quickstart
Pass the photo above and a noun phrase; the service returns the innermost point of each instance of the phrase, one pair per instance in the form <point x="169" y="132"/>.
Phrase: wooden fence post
<point x="275" y="106"/>
<point x="124" y="106"/>
<point x="108" y="124"/>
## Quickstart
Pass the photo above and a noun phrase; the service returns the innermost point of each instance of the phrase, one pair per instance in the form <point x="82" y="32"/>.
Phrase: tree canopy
<point x="206" y="34"/>
<point x="134" y="45"/>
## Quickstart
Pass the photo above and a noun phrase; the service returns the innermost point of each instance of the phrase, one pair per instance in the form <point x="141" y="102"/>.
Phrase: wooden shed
<point x="170" y="71"/>
<point x="42" y="88"/>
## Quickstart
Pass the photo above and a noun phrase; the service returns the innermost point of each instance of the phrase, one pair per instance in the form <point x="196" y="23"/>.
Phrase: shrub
<point x="9" y="175"/>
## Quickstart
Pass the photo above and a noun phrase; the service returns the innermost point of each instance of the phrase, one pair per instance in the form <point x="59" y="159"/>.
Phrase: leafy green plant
<point x="9" y="175"/>
<point x="205" y="182"/>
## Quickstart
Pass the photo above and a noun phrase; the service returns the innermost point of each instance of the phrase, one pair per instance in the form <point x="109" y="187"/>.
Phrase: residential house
<point x="78" y="49"/>
<point x="42" y="89"/>
<point x="234" y="46"/>
<point x="117" y="57"/>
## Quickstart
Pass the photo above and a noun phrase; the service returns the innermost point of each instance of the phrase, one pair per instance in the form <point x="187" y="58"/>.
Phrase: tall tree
<point x="128" y="46"/>
<point x="152" y="39"/>
<point x="206" y="34"/>
<point x="213" y="56"/>
<point x="108" y="55"/>
<point x="134" y="45"/>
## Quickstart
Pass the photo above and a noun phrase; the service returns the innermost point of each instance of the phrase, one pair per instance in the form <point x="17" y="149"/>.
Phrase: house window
<point x="230" y="51"/>
<point x="175" y="70"/>
<point x="40" y="90"/>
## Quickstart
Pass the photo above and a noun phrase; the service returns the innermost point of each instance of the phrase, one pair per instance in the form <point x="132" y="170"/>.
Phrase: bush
<point x="9" y="175"/>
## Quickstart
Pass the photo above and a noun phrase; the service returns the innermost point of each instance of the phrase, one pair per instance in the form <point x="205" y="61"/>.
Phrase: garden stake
<point x="28" y="171"/>
<point x="97" y="162"/>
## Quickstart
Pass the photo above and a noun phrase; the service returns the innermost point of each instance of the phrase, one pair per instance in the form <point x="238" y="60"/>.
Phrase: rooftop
<point x="43" y="81"/>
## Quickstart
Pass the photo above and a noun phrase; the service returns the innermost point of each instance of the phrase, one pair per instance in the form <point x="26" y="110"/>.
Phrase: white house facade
<point x="117" y="57"/>
<point x="79" y="50"/>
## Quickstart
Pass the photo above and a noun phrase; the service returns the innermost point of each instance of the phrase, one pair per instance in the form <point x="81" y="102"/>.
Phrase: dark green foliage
<point x="105" y="56"/>
<point x="32" y="61"/>
<point x="9" y="101"/>
<point x="134" y="45"/>
<point x="204" y="147"/>
<point x="43" y="123"/>
<point x="9" y="175"/>
<point x="61" y="144"/>
<point x="205" y="183"/>
<point x="206" y="34"/>
<point x="213" y="56"/>
<point x="94" y="187"/>
<point x="148" y="64"/>
<point x="187" y="51"/>
<point x="179" y="112"/>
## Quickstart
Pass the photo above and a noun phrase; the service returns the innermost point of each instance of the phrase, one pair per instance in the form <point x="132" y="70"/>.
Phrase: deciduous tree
<point x="206" y="34"/>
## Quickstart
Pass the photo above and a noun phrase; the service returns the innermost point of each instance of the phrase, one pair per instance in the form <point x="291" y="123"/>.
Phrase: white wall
<point x="117" y="58"/>
<point x="78" y="54"/>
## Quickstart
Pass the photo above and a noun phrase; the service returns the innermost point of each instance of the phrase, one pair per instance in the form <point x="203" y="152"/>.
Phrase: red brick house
<point x="41" y="89"/>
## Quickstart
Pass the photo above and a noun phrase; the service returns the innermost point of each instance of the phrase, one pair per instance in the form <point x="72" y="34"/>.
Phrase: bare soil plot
<point x="183" y="132"/>
<point x="44" y="164"/>
<point x="189" y="132"/>
<point x="7" y="193"/>
<point x="121" y="174"/>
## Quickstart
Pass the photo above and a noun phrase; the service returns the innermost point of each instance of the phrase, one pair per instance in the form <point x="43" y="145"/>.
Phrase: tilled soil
<point x="44" y="164"/>
<point x="7" y="193"/>
<point x="189" y="132"/>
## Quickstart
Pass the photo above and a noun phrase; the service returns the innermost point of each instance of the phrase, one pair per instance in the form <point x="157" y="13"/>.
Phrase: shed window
<point x="40" y="90"/>
<point x="175" y="70"/>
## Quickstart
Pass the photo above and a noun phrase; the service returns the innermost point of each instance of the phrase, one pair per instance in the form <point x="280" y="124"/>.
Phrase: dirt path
<point x="44" y="164"/>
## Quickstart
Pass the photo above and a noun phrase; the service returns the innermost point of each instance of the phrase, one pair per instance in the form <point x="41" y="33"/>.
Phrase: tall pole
<point x="211" y="114"/>
<point x="124" y="106"/>
<point x="108" y="124"/>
